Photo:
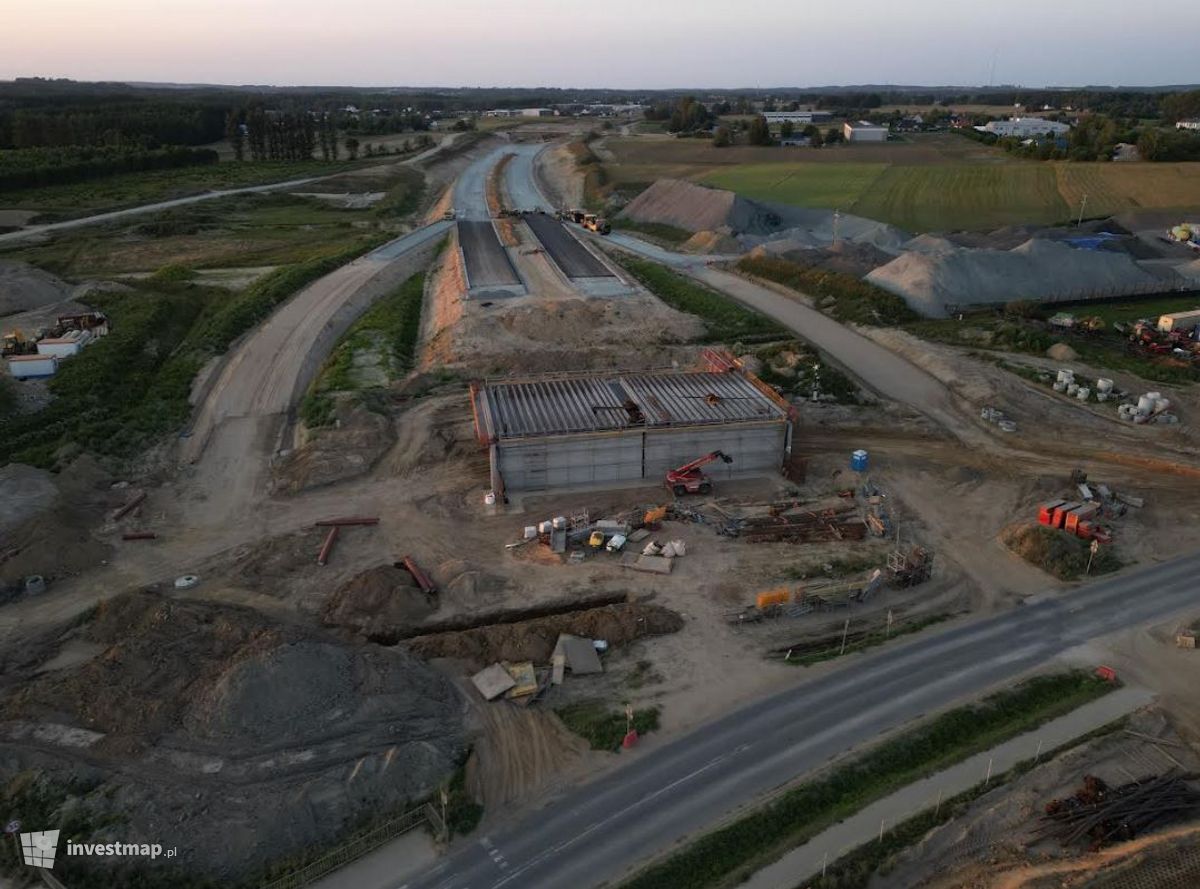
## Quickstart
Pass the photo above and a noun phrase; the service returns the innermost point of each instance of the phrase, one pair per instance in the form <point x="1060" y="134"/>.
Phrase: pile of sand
<point x="696" y="208"/>
<point x="383" y="599"/>
<point x="533" y="640"/>
<point x="720" y="241"/>
<point x="23" y="287"/>
<point x="1191" y="271"/>
<point x="934" y="274"/>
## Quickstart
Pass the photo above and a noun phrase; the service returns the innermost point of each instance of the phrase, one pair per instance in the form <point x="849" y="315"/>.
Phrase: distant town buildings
<point x="1025" y="127"/>
<point x="864" y="131"/>
<point x="800" y="118"/>
<point x="1191" y="124"/>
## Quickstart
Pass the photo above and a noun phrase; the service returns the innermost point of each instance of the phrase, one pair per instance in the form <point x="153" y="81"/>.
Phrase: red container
<point x="1081" y="514"/>
<point x="1060" y="514"/>
<point x="1046" y="511"/>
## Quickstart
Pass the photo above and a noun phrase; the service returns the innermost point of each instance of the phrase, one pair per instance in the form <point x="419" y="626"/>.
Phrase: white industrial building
<point x="1193" y="124"/>
<point x="800" y="118"/>
<point x="864" y="131"/>
<point x="26" y="367"/>
<point x="537" y="112"/>
<point x="1179" y="321"/>
<point x="1025" y="127"/>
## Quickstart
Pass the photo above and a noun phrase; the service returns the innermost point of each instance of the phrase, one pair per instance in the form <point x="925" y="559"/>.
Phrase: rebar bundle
<point x="1098" y="814"/>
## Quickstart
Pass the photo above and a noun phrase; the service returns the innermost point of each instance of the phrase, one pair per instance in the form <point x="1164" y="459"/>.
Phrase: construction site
<point x="588" y="523"/>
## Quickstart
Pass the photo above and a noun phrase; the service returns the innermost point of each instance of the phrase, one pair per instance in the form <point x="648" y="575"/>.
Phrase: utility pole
<point x="845" y="633"/>
<point x="1082" y="204"/>
<point x="1092" y="550"/>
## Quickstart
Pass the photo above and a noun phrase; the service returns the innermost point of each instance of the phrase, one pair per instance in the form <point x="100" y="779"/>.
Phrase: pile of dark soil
<point x="383" y="599"/>
<point x="533" y="640"/>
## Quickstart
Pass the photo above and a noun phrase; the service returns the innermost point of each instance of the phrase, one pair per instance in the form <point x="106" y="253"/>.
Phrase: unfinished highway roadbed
<point x="487" y="262"/>
<point x="575" y="260"/>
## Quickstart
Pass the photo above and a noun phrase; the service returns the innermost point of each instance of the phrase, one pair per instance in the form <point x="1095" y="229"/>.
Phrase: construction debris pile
<point x="40" y="354"/>
<point x="522" y="682"/>
<point x="1098" y="815"/>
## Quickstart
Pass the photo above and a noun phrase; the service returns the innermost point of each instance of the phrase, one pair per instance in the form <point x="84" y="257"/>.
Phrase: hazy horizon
<point x="619" y="44"/>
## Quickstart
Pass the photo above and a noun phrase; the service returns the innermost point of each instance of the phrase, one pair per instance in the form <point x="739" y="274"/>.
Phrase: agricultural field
<point x="806" y="185"/>
<point x="934" y="182"/>
<point x="963" y="196"/>
<point x="1115" y="188"/>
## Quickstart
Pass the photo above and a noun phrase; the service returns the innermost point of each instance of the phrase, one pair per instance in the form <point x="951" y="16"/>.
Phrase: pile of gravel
<point x="934" y="273"/>
<point x="23" y="287"/>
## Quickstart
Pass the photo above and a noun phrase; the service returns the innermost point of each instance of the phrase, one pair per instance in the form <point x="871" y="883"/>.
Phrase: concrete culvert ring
<point x="186" y="582"/>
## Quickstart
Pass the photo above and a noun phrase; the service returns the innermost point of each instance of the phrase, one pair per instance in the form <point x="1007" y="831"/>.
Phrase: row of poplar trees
<point x="281" y="136"/>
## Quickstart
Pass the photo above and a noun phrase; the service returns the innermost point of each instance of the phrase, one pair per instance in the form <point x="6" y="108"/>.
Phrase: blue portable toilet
<point x="858" y="461"/>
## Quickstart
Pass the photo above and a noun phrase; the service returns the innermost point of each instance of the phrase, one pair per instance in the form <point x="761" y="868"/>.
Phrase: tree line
<point x="144" y="126"/>
<point x="35" y="167"/>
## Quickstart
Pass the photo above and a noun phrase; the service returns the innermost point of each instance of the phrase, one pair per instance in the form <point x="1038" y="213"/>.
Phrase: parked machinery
<point x="597" y="224"/>
<point x="689" y="479"/>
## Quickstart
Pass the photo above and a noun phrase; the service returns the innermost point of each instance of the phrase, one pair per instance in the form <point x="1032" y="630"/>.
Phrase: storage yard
<point x="585" y="519"/>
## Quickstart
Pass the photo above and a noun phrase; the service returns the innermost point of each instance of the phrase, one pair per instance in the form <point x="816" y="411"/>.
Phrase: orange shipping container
<point x="1081" y="513"/>
<point x="1046" y="511"/>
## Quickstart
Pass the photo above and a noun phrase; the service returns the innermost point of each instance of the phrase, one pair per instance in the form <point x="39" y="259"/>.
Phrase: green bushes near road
<point x="1058" y="553"/>
<point x="735" y="851"/>
<point x="853" y="299"/>
<point x="603" y="728"/>
<point x="126" y="390"/>
<point x="725" y="320"/>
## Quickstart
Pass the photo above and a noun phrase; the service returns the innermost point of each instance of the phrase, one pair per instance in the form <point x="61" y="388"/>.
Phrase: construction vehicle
<point x="571" y="215"/>
<point x="688" y="479"/>
<point x="16" y="343"/>
<point x="597" y="224"/>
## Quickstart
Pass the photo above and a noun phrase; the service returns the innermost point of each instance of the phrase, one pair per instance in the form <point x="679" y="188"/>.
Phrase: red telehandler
<point x="688" y="479"/>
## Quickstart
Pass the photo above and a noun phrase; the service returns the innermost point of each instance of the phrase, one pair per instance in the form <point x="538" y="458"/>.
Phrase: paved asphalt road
<point x="593" y="834"/>
<point x="575" y="260"/>
<point x="487" y="261"/>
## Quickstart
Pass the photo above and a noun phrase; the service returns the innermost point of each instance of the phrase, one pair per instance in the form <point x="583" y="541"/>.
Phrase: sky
<point x="623" y="44"/>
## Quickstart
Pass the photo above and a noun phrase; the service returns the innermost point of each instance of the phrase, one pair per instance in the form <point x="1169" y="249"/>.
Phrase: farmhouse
<point x="578" y="429"/>
<point x="1025" y="127"/>
<point x="863" y="131"/>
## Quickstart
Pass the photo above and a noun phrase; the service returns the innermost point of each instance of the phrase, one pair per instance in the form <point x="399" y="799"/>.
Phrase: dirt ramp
<point x="685" y="205"/>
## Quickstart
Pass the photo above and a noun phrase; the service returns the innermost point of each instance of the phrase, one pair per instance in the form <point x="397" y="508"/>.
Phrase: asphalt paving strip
<point x="488" y="264"/>
<point x="575" y="260"/>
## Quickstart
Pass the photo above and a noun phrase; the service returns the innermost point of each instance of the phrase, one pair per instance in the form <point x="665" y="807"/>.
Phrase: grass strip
<point x="658" y="231"/>
<point x="855" y="869"/>
<point x="737" y="850"/>
<point x="872" y="638"/>
<point x="853" y="300"/>
<point x="725" y="320"/>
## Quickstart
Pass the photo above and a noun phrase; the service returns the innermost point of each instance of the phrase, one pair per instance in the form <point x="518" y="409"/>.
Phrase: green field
<point x="932" y="182"/>
<point x="803" y="184"/>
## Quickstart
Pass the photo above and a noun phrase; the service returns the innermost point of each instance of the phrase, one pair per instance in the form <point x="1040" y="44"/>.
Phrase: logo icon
<point x="39" y="848"/>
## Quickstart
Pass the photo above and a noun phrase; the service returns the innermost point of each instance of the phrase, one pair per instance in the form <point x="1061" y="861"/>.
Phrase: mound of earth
<point x="24" y="287"/>
<point x="721" y="241"/>
<point x="383" y="599"/>
<point x="1058" y="553"/>
<point x="347" y="449"/>
<point x="1191" y="270"/>
<point x="844" y="257"/>
<point x="209" y="727"/>
<point x="533" y="640"/>
<point x="696" y="208"/>
<point x="1061" y="352"/>
<point x="45" y="521"/>
<point x="929" y="281"/>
